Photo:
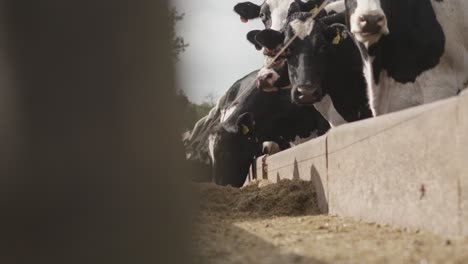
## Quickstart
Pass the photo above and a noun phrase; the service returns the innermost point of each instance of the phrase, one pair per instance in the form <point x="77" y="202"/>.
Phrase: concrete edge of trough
<point x="407" y="169"/>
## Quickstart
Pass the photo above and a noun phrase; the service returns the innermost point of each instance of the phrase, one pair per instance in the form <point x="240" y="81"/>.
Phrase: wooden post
<point x="91" y="164"/>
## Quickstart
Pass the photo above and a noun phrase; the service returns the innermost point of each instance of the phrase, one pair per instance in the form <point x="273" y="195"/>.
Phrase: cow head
<point x="366" y="20"/>
<point x="273" y="13"/>
<point x="310" y="54"/>
<point x="233" y="147"/>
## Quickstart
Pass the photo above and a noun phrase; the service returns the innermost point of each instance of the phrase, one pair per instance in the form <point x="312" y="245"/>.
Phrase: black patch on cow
<point x="298" y="6"/>
<point x="334" y="18"/>
<point x="269" y="38"/>
<point x="416" y="41"/>
<point x="247" y="10"/>
<point x="283" y="80"/>
<point x="251" y="38"/>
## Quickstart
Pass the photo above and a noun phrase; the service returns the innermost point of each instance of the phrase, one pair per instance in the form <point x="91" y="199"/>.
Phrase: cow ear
<point x="247" y="11"/>
<point x="246" y="123"/>
<point x="269" y="38"/>
<point x="335" y="34"/>
<point x="312" y="6"/>
<point x="295" y="7"/>
<point x="251" y="38"/>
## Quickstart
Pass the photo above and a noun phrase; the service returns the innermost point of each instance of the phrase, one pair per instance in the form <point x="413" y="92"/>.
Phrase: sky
<point x="219" y="53"/>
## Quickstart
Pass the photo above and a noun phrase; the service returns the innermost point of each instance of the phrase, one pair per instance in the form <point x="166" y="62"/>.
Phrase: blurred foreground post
<point x="91" y="152"/>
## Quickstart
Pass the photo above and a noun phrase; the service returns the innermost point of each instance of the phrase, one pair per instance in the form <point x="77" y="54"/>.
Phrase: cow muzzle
<point x="369" y="27"/>
<point x="306" y="95"/>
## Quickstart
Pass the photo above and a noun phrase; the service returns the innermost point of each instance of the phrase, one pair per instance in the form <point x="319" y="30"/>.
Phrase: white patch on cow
<point x="328" y="111"/>
<point x="389" y="95"/>
<point x="371" y="86"/>
<point x="444" y="80"/>
<point x="228" y="112"/>
<point x="302" y="28"/>
<point x="367" y="7"/>
<point x="338" y="7"/>
<point x="211" y="144"/>
<point x="270" y="148"/>
<point x="299" y="140"/>
<point x="186" y="136"/>
<point x="264" y="73"/>
<point x="279" y="12"/>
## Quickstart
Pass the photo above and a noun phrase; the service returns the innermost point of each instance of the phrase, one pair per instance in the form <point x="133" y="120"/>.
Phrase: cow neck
<point x="416" y="41"/>
<point x="348" y="93"/>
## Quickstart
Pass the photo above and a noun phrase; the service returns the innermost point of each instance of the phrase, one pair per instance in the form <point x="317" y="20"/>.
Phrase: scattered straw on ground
<point x="280" y="223"/>
<point x="260" y="199"/>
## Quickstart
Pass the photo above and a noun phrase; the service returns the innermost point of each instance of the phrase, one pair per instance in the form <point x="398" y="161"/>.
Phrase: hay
<point x="285" y="198"/>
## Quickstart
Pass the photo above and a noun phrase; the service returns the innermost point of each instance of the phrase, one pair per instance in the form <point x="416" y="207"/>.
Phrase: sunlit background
<point x="218" y="52"/>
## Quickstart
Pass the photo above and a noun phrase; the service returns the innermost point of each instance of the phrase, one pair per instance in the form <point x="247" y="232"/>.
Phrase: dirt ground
<point x="281" y="223"/>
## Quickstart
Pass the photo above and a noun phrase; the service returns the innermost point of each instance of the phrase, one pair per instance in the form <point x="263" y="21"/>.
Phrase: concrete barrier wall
<point x="463" y="146"/>
<point x="306" y="161"/>
<point x="407" y="169"/>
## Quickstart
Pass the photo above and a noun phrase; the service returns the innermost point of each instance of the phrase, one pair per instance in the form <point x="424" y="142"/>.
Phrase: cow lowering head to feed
<point x="254" y="117"/>
<point x="232" y="135"/>
<point x="325" y="68"/>
<point x="414" y="51"/>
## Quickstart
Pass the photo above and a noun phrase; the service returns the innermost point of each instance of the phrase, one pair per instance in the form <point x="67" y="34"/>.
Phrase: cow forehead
<point x="302" y="28"/>
<point x="363" y="5"/>
<point x="279" y="12"/>
<point x="275" y="4"/>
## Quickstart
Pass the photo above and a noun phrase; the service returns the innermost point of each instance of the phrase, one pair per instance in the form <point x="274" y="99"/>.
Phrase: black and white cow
<point x="229" y="138"/>
<point x="325" y="68"/>
<point x="414" y="51"/>
<point x="274" y="13"/>
<point x="196" y="141"/>
<point x="255" y="117"/>
<point x="247" y="10"/>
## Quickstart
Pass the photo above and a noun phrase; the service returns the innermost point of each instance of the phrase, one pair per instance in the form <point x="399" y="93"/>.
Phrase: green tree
<point x="178" y="43"/>
<point x="191" y="112"/>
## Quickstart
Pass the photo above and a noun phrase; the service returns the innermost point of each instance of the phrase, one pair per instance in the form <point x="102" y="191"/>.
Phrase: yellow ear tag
<point x="337" y="38"/>
<point x="245" y="130"/>
<point x="314" y="10"/>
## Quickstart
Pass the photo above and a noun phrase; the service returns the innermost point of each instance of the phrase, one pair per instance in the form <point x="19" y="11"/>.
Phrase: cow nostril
<point x="305" y="95"/>
<point x="380" y="20"/>
<point x="304" y="91"/>
<point x="373" y="24"/>
<point x="269" y="76"/>
<point x="362" y="19"/>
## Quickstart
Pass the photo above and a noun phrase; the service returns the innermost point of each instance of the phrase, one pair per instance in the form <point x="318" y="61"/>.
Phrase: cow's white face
<point x="367" y="20"/>
<point x="278" y="12"/>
